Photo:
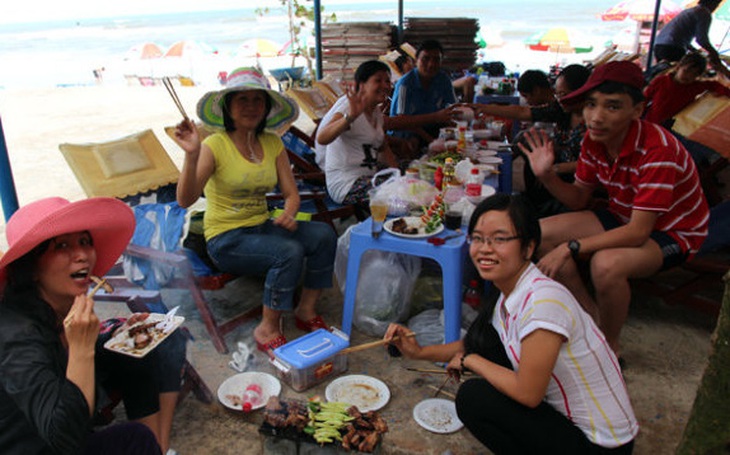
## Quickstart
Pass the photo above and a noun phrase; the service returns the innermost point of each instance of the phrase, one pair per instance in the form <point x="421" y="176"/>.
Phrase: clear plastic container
<point x="311" y="359"/>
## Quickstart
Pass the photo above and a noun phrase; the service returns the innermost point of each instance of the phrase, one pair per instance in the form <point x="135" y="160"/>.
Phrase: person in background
<point x="657" y="213"/>
<point x="568" y="131"/>
<point x="55" y="374"/>
<point x="545" y="380"/>
<point x="423" y="98"/>
<point x="351" y="140"/>
<point x="667" y="94"/>
<point x="236" y="168"/>
<point x="675" y="38"/>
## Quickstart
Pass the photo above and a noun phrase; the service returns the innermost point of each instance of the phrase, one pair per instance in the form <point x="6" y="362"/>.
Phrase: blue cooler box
<point x="311" y="359"/>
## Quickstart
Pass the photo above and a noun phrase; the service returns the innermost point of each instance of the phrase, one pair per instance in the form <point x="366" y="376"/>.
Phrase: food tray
<point x="118" y="343"/>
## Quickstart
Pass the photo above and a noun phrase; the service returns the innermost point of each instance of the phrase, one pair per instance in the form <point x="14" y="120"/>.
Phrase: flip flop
<point x="310" y="326"/>
<point x="269" y="346"/>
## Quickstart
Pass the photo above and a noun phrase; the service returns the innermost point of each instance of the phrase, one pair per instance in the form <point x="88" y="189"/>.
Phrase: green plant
<point x="299" y="17"/>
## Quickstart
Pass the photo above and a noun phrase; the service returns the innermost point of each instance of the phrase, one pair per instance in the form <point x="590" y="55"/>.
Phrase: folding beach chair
<point x="137" y="169"/>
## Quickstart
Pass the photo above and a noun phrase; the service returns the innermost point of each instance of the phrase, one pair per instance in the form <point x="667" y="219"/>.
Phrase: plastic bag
<point x="404" y="193"/>
<point x="384" y="286"/>
<point x="429" y="324"/>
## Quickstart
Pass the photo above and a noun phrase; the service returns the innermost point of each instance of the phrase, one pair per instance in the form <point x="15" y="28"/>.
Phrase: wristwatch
<point x="574" y="247"/>
<point x="346" y="116"/>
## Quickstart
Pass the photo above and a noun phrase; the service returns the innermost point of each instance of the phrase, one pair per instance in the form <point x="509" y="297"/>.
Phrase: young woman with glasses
<point x="545" y="380"/>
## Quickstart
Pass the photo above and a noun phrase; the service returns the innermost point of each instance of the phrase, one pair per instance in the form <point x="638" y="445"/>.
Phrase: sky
<point x="14" y="11"/>
<point x="42" y="10"/>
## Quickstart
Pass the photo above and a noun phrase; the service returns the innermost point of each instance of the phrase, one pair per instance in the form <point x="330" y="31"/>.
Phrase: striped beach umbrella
<point x="143" y="51"/>
<point x="259" y="47"/>
<point x="641" y="11"/>
<point x="559" y="39"/>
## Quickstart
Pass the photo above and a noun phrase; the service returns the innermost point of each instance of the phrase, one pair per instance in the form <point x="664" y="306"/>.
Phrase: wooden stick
<point x="100" y="283"/>
<point x="171" y="90"/>
<point x="372" y="344"/>
<point x="433" y="370"/>
<point x="441" y="391"/>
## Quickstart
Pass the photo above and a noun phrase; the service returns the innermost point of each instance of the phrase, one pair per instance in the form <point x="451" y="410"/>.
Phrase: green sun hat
<point x="284" y="110"/>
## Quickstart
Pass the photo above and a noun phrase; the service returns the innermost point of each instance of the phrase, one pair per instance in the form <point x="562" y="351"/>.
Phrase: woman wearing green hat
<point x="236" y="167"/>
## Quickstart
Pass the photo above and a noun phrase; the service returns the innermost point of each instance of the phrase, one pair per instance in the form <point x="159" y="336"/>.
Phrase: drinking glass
<point x="378" y="212"/>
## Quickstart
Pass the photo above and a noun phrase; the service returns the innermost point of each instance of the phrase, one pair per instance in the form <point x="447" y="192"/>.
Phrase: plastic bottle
<point x="471" y="295"/>
<point x="252" y="396"/>
<point x="449" y="174"/>
<point x="474" y="183"/>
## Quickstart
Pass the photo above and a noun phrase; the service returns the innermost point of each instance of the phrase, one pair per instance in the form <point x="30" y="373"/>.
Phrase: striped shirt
<point x="654" y="173"/>
<point x="586" y="384"/>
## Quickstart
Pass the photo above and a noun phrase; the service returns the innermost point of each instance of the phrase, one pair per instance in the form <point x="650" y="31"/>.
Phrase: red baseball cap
<point x="622" y="72"/>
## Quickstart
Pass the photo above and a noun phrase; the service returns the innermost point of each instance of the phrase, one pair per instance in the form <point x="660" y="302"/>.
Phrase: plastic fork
<point x="168" y="322"/>
<point x="441" y="240"/>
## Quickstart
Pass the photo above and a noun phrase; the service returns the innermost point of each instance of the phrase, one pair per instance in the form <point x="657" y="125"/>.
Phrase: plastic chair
<point x="451" y="256"/>
<point x="313" y="186"/>
<point x="153" y="177"/>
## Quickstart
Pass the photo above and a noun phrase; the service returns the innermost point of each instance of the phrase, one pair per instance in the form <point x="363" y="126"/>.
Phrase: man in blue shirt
<point x="423" y="97"/>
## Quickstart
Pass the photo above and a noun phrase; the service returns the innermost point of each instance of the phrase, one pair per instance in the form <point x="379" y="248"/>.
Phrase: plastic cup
<point x="452" y="220"/>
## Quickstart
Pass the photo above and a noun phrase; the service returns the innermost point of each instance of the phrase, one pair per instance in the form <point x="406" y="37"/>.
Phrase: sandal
<point x="272" y="344"/>
<point x="310" y="326"/>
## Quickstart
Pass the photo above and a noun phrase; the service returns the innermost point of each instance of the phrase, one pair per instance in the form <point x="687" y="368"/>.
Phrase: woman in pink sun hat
<point x="236" y="167"/>
<point x="54" y="371"/>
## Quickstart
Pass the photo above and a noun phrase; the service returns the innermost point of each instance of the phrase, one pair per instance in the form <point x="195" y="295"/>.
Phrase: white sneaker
<point x="171" y="452"/>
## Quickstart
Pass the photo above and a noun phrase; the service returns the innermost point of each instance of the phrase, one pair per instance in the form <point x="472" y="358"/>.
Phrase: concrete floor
<point x="665" y="347"/>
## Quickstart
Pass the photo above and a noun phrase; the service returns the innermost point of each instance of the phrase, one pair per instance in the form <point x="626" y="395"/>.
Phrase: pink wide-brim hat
<point x="109" y="221"/>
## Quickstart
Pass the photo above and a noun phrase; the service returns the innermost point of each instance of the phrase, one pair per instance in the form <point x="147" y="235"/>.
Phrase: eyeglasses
<point x="498" y="241"/>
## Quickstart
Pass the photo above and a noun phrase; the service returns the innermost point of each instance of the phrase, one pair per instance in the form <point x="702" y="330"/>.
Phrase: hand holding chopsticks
<point x="171" y="90"/>
<point x="373" y="344"/>
<point x="100" y="283"/>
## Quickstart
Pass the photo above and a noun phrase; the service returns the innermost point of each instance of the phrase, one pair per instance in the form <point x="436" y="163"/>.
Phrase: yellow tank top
<point x="236" y="192"/>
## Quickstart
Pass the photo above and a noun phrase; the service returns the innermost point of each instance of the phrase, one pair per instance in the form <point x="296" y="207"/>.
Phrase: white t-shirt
<point x="586" y="384"/>
<point x="342" y="158"/>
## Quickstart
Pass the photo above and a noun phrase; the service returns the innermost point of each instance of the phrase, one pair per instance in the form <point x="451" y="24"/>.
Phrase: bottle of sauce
<point x="449" y="171"/>
<point x="473" y="185"/>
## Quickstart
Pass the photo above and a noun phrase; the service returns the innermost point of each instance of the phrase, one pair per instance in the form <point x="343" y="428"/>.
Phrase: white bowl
<point x="486" y="192"/>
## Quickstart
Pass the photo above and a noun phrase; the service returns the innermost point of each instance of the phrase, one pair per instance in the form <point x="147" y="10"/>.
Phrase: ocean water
<point x="57" y="53"/>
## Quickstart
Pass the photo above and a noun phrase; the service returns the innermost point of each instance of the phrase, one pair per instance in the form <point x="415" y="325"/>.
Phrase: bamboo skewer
<point x="372" y="344"/>
<point x="171" y="90"/>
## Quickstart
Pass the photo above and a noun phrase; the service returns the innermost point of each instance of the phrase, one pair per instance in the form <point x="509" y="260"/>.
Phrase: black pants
<point x="508" y="427"/>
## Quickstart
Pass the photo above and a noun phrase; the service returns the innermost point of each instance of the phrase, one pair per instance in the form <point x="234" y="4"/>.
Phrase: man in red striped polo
<point x="657" y="213"/>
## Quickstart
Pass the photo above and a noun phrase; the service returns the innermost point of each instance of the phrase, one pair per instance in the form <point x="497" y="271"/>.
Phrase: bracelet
<point x="463" y="357"/>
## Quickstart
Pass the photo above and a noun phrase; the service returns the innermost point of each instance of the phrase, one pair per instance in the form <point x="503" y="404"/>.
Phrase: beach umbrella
<point x="189" y="48"/>
<point x="259" y="47"/>
<point x="641" y="11"/>
<point x="143" y="51"/>
<point x="559" y="39"/>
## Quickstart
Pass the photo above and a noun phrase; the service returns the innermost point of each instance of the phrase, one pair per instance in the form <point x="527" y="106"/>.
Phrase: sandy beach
<point x="36" y="121"/>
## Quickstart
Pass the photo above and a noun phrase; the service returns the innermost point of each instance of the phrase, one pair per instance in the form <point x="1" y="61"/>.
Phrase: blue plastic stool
<point x="450" y="256"/>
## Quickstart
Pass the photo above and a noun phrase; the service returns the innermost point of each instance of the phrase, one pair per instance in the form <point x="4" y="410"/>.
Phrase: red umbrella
<point x="641" y="11"/>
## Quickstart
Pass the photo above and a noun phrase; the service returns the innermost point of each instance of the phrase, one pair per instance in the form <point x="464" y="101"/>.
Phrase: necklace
<point x="251" y="151"/>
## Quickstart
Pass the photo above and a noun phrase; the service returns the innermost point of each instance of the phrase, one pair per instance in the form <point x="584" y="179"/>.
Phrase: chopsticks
<point x="100" y="283"/>
<point x="433" y="370"/>
<point x="440" y="388"/>
<point x="372" y="344"/>
<point x="171" y="90"/>
<point x="441" y="391"/>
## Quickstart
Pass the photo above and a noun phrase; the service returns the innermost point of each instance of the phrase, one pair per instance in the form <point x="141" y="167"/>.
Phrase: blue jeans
<point x="279" y="255"/>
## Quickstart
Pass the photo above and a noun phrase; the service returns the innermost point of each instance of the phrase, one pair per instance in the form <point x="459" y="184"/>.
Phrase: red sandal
<point x="310" y="326"/>
<point x="269" y="346"/>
